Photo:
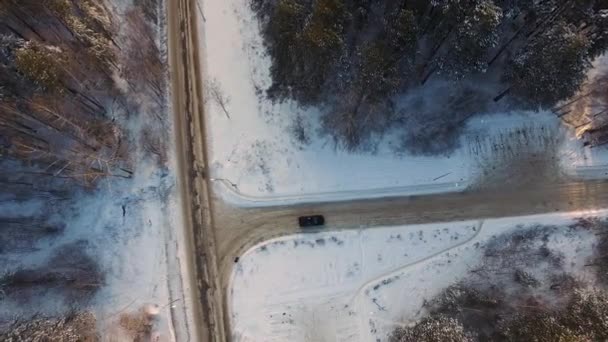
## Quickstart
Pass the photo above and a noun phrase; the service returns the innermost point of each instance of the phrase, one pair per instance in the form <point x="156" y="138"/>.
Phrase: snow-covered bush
<point x="432" y="329"/>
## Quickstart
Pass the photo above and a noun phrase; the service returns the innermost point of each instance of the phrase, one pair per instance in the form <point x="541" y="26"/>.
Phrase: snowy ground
<point x="255" y="158"/>
<point x="132" y="228"/>
<point x="358" y="285"/>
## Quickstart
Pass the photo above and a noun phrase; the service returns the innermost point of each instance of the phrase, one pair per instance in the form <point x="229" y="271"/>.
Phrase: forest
<point x="358" y="59"/>
<point x="83" y="87"/>
<point x="522" y="291"/>
<point x="64" y="77"/>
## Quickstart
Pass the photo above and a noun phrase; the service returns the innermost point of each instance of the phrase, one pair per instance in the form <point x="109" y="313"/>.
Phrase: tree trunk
<point x="573" y="101"/>
<point x="549" y="18"/>
<point x="503" y="94"/>
<point x="505" y="46"/>
<point x="30" y="27"/>
<point x="14" y="31"/>
<point x="432" y="57"/>
<point x="428" y="75"/>
<point x="90" y="102"/>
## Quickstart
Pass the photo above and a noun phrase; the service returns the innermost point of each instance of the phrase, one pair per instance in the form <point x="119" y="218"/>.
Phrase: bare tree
<point x="214" y="93"/>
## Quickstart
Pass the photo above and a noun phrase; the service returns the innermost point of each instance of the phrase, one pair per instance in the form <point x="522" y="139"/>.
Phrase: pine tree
<point x="387" y="63"/>
<point x="552" y="67"/>
<point x="283" y="32"/>
<point x="41" y="65"/>
<point x="322" y="45"/>
<point x="473" y="36"/>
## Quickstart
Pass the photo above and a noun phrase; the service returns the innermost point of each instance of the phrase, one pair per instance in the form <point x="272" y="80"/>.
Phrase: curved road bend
<point x="238" y="229"/>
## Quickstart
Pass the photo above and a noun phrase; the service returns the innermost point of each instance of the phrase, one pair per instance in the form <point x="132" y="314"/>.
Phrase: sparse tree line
<point x="581" y="320"/>
<point x="355" y="58"/>
<point x="63" y="69"/>
<point x="587" y="111"/>
<point x="522" y="291"/>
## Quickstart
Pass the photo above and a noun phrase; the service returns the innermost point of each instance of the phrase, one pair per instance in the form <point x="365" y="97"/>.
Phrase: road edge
<point x="188" y="114"/>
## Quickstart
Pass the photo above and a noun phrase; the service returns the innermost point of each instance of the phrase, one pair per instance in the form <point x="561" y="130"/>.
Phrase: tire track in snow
<point x="401" y="269"/>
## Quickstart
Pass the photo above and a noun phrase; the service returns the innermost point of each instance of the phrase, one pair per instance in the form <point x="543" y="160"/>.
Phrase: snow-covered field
<point x="255" y="159"/>
<point x="358" y="285"/>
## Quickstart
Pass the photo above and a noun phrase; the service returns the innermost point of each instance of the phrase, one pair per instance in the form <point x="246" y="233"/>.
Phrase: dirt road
<point x="237" y="229"/>
<point x="221" y="232"/>
<point x="188" y="113"/>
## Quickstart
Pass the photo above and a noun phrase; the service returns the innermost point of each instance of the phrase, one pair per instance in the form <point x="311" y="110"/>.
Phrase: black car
<point x="311" y="221"/>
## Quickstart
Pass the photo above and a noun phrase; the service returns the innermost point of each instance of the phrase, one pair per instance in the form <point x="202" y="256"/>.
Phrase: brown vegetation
<point x="432" y="329"/>
<point x="463" y="314"/>
<point x="144" y="65"/>
<point x="523" y="157"/>
<point x="587" y="111"/>
<point x="74" y="327"/>
<point x="521" y="293"/>
<point x="138" y="325"/>
<point x="60" y="65"/>
<point x="599" y="261"/>
<point x="74" y="90"/>
<point x="62" y="51"/>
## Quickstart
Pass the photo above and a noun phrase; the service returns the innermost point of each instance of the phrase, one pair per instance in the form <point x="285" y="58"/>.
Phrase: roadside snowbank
<point x="358" y="285"/>
<point x="256" y="160"/>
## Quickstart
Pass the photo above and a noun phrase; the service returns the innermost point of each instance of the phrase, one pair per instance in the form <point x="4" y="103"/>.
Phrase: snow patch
<point x="358" y="285"/>
<point x="257" y="159"/>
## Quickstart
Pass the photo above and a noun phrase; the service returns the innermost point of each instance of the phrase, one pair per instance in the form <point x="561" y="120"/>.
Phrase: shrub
<point x="74" y="327"/>
<point x="432" y="329"/>
<point x="41" y="65"/>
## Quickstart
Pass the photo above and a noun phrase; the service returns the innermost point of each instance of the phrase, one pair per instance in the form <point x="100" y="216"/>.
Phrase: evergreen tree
<point x="473" y="36"/>
<point x="13" y="84"/>
<point x="283" y="32"/>
<point x="552" y="67"/>
<point x="322" y="45"/>
<point x="40" y="64"/>
<point x="301" y="37"/>
<point x="353" y="58"/>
